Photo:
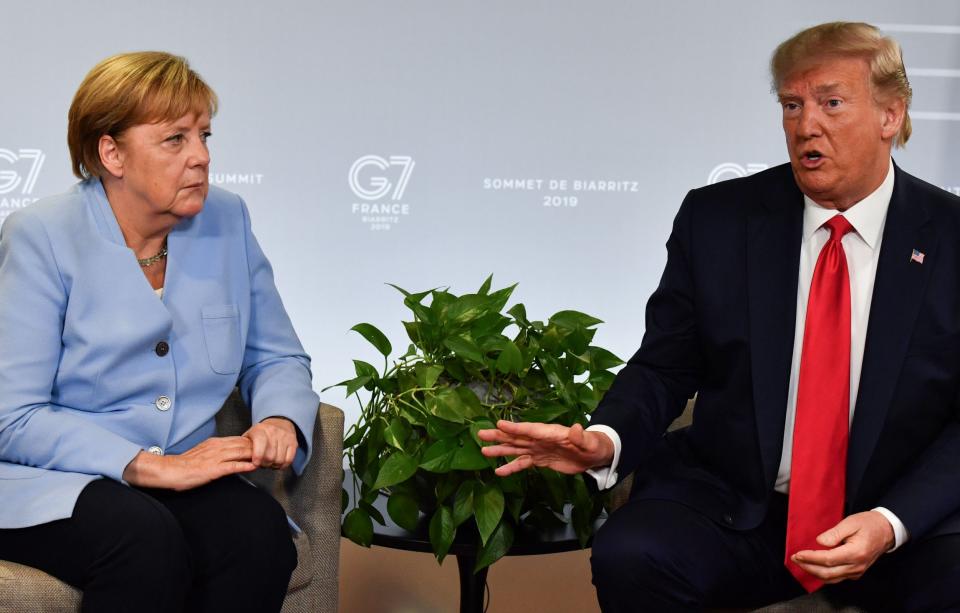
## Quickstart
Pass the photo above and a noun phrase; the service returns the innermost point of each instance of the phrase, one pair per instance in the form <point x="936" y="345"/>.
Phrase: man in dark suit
<point x="814" y="309"/>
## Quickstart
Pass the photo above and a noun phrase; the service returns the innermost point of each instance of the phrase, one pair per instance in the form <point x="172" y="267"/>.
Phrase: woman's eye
<point x="205" y="135"/>
<point x="175" y="139"/>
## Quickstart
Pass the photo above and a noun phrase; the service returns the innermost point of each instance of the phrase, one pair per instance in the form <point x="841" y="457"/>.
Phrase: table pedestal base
<point x="471" y="584"/>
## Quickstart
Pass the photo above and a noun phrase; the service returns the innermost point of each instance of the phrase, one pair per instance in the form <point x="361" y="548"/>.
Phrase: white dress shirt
<point x="862" y="248"/>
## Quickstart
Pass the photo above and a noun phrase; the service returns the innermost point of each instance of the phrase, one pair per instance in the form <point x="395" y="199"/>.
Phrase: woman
<point x="140" y="299"/>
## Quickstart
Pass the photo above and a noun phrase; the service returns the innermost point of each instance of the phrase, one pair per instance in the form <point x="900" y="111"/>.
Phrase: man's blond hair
<point x="888" y="77"/>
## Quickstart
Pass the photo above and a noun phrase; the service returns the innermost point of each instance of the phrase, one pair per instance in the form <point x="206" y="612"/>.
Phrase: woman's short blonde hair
<point x="127" y="90"/>
<point x="845" y="39"/>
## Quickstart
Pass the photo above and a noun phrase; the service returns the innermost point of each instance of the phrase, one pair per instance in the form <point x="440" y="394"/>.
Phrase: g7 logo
<point x="11" y="179"/>
<point x="378" y="186"/>
<point x="732" y="170"/>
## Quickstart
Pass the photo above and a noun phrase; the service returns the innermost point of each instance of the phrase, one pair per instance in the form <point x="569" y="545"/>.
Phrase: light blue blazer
<point x="83" y="386"/>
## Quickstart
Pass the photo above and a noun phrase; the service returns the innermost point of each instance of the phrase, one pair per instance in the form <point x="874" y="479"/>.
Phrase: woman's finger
<point x="259" y="442"/>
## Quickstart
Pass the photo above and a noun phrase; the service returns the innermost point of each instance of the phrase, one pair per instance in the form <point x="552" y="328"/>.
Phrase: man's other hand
<point x="566" y="450"/>
<point x="853" y="546"/>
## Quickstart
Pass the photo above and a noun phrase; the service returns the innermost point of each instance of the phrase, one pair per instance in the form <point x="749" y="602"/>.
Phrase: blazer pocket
<point x="221" y="334"/>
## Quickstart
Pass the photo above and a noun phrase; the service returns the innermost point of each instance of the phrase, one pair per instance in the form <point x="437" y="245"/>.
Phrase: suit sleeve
<point x="275" y="379"/>
<point x="653" y="388"/>
<point x="33" y="431"/>
<point x="930" y="491"/>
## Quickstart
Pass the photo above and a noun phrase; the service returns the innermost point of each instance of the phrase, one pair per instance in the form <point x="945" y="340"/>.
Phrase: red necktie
<point x="819" y="463"/>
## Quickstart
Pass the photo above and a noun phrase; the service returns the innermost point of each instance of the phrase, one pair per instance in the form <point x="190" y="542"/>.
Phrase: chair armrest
<point x="314" y="496"/>
<point x="312" y="499"/>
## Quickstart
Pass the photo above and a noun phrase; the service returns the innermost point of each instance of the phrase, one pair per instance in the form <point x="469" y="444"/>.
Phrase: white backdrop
<point x="470" y="115"/>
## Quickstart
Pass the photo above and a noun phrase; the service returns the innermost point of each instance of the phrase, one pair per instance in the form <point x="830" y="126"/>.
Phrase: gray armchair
<point x="812" y="603"/>
<point x="311" y="500"/>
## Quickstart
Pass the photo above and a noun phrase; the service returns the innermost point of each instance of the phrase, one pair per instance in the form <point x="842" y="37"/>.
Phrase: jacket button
<point x="162" y="348"/>
<point x="155" y="450"/>
<point x="728" y="519"/>
<point x="163" y="403"/>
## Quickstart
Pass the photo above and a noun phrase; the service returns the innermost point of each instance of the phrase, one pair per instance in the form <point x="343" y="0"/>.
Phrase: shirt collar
<point x="866" y="216"/>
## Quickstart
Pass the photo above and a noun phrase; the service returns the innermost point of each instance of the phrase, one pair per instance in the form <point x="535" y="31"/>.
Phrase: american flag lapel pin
<point x="916" y="256"/>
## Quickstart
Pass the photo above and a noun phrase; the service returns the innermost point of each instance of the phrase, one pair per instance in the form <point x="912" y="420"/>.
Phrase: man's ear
<point x="893" y="113"/>
<point x="111" y="157"/>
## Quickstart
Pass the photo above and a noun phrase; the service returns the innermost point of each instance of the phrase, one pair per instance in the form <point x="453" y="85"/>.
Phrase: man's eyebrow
<point x="828" y="88"/>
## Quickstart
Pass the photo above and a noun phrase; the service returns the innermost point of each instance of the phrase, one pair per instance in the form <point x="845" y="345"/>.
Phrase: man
<point x="814" y="309"/>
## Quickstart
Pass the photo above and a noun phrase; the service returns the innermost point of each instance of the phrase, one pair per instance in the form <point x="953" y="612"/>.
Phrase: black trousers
<point x="225" y="546"/>
<point x="661" y="556"/>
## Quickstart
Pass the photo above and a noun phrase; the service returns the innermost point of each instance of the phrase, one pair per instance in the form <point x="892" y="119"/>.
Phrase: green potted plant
<point x="470" y="363"/>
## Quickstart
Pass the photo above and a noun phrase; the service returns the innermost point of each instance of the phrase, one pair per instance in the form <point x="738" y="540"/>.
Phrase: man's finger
<point x="838" y="556"/>
<point x="830" y="574"/>
<point x="521" y="463"/>
<point x="497" y="436"/>
<point x="839" y="533"/>
<point x="532" y="430"/>
<point x="496" y="451"/>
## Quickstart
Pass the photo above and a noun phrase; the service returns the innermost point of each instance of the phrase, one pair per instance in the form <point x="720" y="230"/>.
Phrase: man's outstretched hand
<point x="566" y="450"/>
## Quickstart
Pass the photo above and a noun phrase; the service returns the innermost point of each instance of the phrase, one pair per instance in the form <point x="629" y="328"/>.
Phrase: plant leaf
<point x="398" y="467"/>
<point x="485" y="288"/>
<point x="499" y="298"/>
<point x="470" y="405"/>
<point x="488" y="509"/>
<point x="481" y="424"/>
<point x="438" y="458"/>
<point x="397" y="432"/>
<point x="496" y="547"/>
<point x="402" y="508"/>
<point x="601" y="359"/>
<point x="427" y="375"/>
<point x="365" y="369"/>
<point x="464" y="348"/>
<point x="544" y="413"/>
<point x="555" y="488"/>
<point x="468" y="307"/>
<point x="375" y="337"/>
<point x="463" y="502"/>
<point x="373" y="512"/>
<point x="519" y="313"/>
<point x="468" y="456"/>
<point x="446" y="404"/>
<point x="356" y="435"/>
<point x="355" y="384"/>
<point x="358" y="527"/>
<point x="572" y="320"/>
<point x="441" y="429"/>
<point x="510" y="359"/>
<point x="442" y="531"/>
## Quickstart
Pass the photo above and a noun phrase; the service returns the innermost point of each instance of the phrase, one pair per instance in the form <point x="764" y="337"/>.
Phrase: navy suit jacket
<point x="721" y="325"/>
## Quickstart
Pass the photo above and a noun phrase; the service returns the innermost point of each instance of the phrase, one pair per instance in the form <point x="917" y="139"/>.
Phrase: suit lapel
<point x="893" y="313"/>
<point x="774" y="231"/>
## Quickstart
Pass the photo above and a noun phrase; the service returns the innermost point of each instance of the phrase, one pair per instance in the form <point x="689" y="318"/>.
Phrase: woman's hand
<point x="274" y="442"/>
<point x="213" y="458"/>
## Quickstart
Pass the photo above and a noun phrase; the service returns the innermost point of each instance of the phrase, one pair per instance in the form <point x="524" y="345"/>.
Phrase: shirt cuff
<point x="606" y="477"/>
<point x="900" y="534"/>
